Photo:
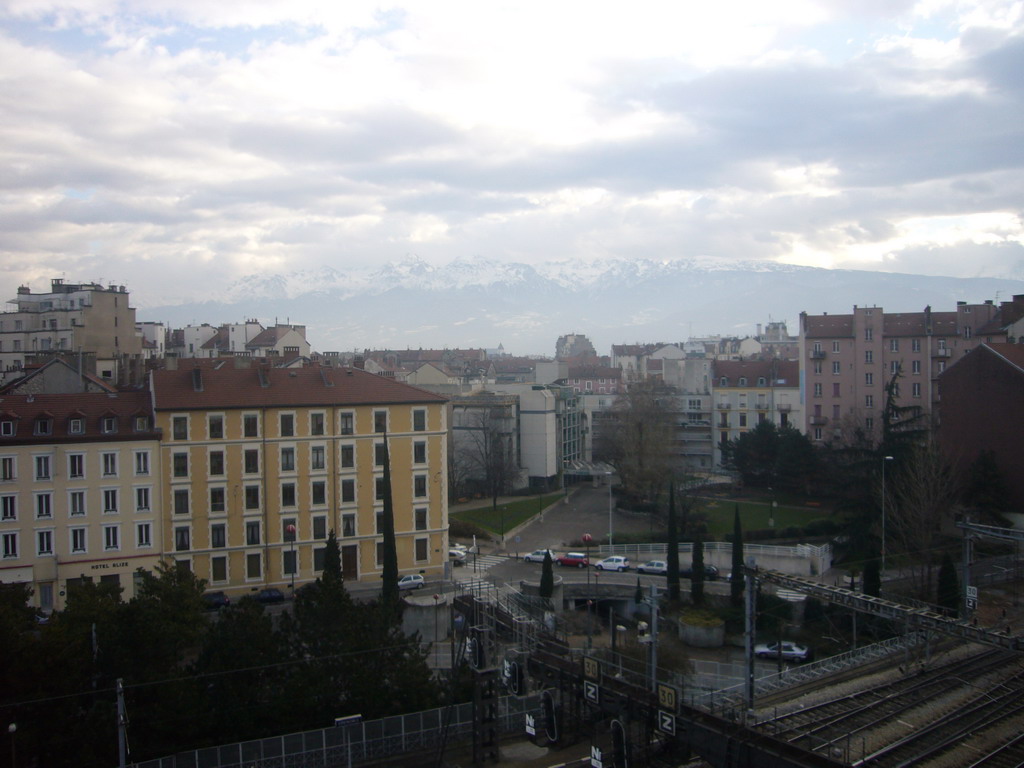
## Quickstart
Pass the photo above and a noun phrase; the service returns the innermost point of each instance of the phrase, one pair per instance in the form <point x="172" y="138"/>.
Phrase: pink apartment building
<point x="846" y="360"/>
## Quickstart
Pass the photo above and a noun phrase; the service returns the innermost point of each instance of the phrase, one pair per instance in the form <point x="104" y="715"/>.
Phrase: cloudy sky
<point x="177" y="145"/>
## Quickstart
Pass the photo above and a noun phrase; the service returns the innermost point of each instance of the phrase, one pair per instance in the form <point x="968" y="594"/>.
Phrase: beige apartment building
<point x="847" y="361"/>
<point x="71" y="320"/>
<point x="79" y="491"/>
<point x="262" y="463"/>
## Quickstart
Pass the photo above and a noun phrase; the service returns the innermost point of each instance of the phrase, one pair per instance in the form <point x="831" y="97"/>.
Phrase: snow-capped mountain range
<point x="484" y="303"/>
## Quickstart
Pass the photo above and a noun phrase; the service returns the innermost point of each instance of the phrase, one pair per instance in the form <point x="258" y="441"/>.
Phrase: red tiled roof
<point x="786" y="372"/>
<point x="827" y="326"/>
<point x="1012" y="353"/>
<point x="257" y="386"/>
<point x="594" y="372"/>
<point x="92" y="406"/>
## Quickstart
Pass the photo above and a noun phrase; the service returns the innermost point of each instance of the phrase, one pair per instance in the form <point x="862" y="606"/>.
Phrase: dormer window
<point x="724" y="381"/>
<point x="7" y="428"/>
<point x="44" y="427"/>
<point x="76" y="426"/>
<point x="743" y="381"/>
<point x="141" y="423"/>
<point x="109" y="424"/>
<point x="761" y="381"/>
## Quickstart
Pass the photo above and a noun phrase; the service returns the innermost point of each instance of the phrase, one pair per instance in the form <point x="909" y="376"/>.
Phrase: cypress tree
<point x="736" y="580"/>
<point x="697" y="577"/>
<point x="332" y="560"/>
<point x="389" y="565"/>
<point x="547" y="577"/>
<point x="672" y="558"/>
<point x="872" y="583"/>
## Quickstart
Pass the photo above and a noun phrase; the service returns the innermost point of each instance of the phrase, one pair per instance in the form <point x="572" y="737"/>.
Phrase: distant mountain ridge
<point x="481" y="302"/>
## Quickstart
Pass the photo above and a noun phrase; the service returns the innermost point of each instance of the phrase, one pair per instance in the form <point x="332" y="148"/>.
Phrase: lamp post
<point x="587" y="538"/>
<point x="611" y="509"/>
<point x="436" y="598"/>
<point x="295" y="565"/>
<point x="884" y="460"/>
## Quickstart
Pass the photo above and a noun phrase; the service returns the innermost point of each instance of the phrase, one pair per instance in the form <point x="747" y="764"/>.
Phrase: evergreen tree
<point x="872" y="583"/>
<point x="547" y="577"/>
<point x="389" y="596"/>
<point x="948" y="590"/>
<point x="737" y="580"/>
<point x="672" y="555"/>
<point x="332" y="559"/>
<point x="697" y="577"/>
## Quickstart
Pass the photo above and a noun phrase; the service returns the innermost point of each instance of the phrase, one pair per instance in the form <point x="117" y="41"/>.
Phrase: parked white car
<point x="411" y="581"/>
<point x="613" y="563"/>
<point x="659" y="567"/>
<point x="537" y="556"/>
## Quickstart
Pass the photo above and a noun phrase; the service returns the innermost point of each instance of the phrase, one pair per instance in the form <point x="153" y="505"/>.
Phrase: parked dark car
<point x="710" y="572"/>
<point x="269" y="596"/>
<point x="214" y="601"/>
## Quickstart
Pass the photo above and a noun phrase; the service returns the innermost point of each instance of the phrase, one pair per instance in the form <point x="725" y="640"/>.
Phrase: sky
<point x="178" y="146"/>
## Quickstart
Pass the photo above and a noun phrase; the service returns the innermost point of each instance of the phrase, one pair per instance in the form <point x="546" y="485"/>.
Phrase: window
<point x="42" y="467"/>
<point x="869" y="424"/>
<point x="743" y="381"/>
<point x="218" y="536"/>
<point x="380" y="421"/>
<point x="142" y="499"/>
<point x="894" y="345"/>
<point x="835" y="346"/>
<point x="379" y="488"/>
<point x="348" y="456"/>
<point x="319" y="493"/>
<point x="316" y="424"/>
<point x="218" y="568"/>
<point x="835" y="389"/>
<point x="288" y="557"/>
<point x="215" y="427"/>
<point x="419" y="421"/>
<point x="44" y="506"/>
<point x="318" y="558"/>
<point x="216" y="463"/>
<point x="817" y="433"/>
<point x="379" y="454"/>
<point x="915" y="366"/>
<point x="419" y="486"/>
<point x="348" y="491"/>
<point x="111" y="537"/>
<point x="915" y="389"/>
<point x="835" y="412"/>
<point x="181" y="539"/>
<point x="181" y="501"/>
<point x="378" y="522"/>
<point x="869" y="379"/>
<point x="180" y="464"/>
<point x="868" y="334"/>
<point x="894" y="367"/>
<point x="836" y="369"/>
<point x="252" y="461"/>
<point x="287" y="425"/>
<point x="252" y="533"/>
<point x="76" y="503"/>
<point x="287" y="459"/>
<point x="288" y="494"/>
<point x="76" y="426"/>
<point x="421" y="518"/>
<point x="253" y="567"/>
<point x="142" y="463"/>
<point x="941" y="344"/>
<point x="179" y="427"/>
<point x="915" y="345"/>
<point x="9" y="507"/>
<point x="44" y="427"/>
<point x="817" y="390"/>
<point x="143" y="535"/>
<point x="743" y="419"/>
<point x="110" y="465"/>
<point x="967" y="331"/>
<point x="10" y="544"/>
<point x="869" y="356"/>
<point x="346" y="424"/>
<point x="421" y="549"/>
<point x="320" y="527"/>
<point x="348" y="525"/>
<point x="109" y="425"/>
<point x="217" y="500"/>
<point x="816" y="349"/>
<point x="141" y="423"/>
<point x="78" y="539"/>
<point x="317" y="457"/>
<point x="419" y="452"/>
<point x="76" y="465"/>
<point x="44" y="543"/>
<point x="7" y="471"/>
<point x="7" y="428"/>
<point x="250" y="425"/>
<point x="869" y="401"/>
<point x="252" y="497"/>
<point x="942" y="365"/>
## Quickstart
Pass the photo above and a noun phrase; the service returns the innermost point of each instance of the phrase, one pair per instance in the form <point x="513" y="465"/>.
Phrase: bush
<point x="466" y="530"/>
<point x="823" y="526"/>
<point x="792" y="532"/>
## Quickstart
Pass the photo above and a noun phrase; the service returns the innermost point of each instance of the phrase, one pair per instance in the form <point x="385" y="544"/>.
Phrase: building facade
<point x="263" y="463"/>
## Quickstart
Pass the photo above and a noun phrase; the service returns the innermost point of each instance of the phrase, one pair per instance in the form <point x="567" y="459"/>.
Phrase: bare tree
<point x="485" y="447"/>
<point x="636" y="438"/>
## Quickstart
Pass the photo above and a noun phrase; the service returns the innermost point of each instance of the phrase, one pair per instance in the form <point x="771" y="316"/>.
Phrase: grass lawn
<point x="508" y="515"/>
<point x="754" y="515"/>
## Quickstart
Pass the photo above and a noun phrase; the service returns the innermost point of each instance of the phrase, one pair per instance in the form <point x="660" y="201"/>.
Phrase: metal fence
<point x="357" y="743"/>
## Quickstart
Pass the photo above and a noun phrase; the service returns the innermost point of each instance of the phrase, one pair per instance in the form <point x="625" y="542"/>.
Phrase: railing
<point x="818" y="421"/>
<point x="942" y="353"/>
<point x="817" y="354"/>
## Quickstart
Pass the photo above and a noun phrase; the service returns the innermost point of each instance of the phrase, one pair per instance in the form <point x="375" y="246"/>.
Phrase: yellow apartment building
<point x="80" y="491"/>
<point x="261" y="463"/>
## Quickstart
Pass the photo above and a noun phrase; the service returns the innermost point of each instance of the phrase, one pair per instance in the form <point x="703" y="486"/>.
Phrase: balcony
<point x="817" y="354"/>
<point x="724" y="406"/>
<point x="818" y="421"/>
<point x="942" y="353"/>
<point x="784" y="407"/>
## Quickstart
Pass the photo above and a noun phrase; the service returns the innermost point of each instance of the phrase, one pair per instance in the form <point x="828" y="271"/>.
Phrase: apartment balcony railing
<point x="818" y="421"/>
<point x="783" y="407"/>
<point x="724" y="406"/>
<point x="817" y="354"/>
<point x="942" y="353"/>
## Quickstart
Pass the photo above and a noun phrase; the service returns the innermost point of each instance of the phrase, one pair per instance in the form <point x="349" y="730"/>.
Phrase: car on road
<point x="411" y="581"/>
<point x="457" y="556"/>
<point x="789" y="651"/>
<point x="270" y="596"/>
<point x="537" y="556"/>
<point x="710" y="572"/>
<point x="659" y="567"/>
<point x="573" y="560"/>
<point x="215" y="601"/>
<point x="614" y="563"/>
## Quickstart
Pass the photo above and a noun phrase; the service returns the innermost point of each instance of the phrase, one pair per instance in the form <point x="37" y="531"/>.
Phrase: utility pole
<point x="122" y="726"/>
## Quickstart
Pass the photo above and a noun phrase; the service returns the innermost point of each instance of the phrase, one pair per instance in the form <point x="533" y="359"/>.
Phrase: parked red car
<point x="573" y="560"/>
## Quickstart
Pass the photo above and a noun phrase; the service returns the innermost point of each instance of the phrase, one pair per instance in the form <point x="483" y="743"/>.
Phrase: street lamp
<point x="436" y="598"/>
<point x="295" y="565"/>
<point x="884" y="459"/>
<point x="611" y="509"/>
<point x="587" y="538"/>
